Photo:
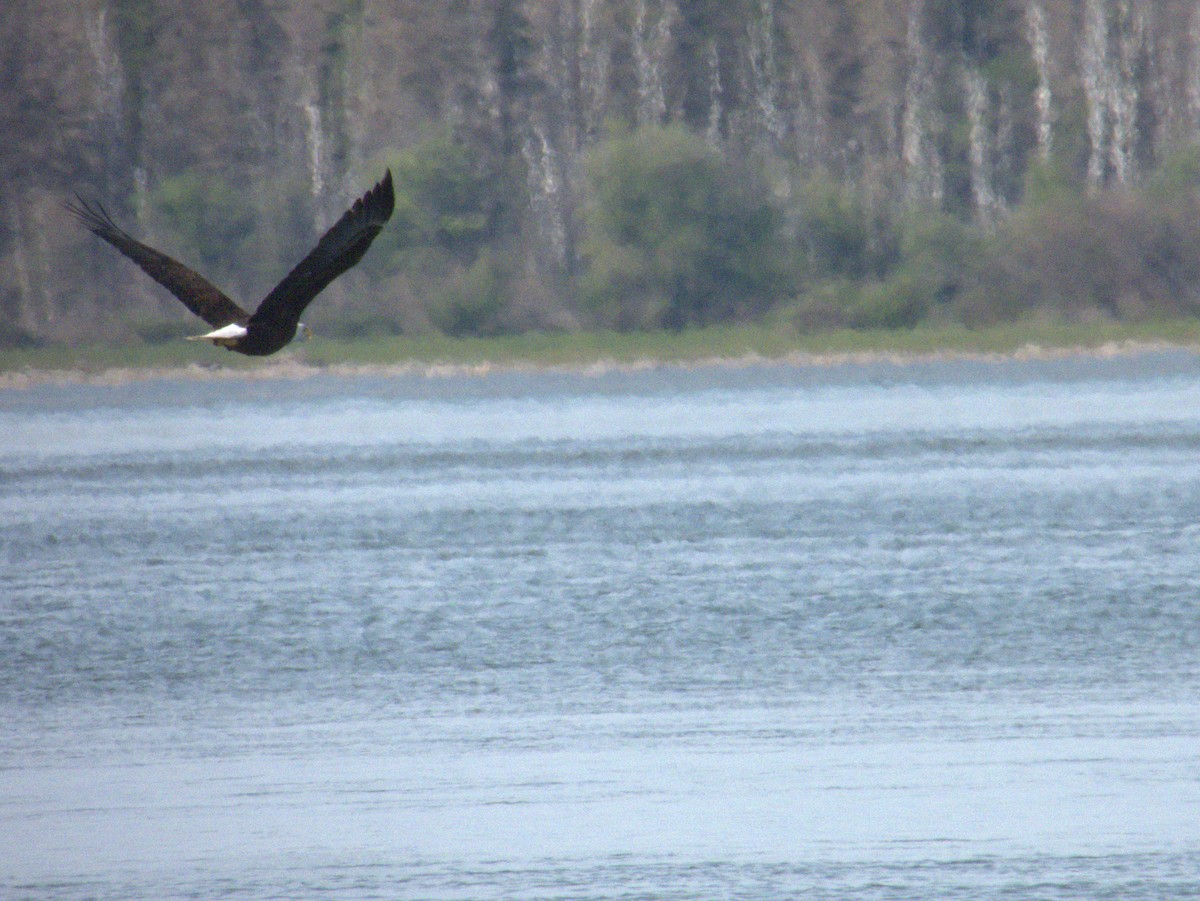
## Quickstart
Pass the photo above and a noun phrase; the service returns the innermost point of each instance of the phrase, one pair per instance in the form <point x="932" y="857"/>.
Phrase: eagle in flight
<point x="277" y="318"/>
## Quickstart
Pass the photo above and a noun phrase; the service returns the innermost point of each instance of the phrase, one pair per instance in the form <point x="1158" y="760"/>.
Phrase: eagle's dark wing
<point x="197" y="293"/>
<point x="340" y="248"/>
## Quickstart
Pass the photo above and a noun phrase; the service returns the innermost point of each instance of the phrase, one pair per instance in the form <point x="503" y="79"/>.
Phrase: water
<point x="861" y="631"/>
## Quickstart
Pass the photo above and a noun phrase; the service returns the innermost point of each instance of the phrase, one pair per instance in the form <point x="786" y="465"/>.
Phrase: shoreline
<point x="296" y="367"/>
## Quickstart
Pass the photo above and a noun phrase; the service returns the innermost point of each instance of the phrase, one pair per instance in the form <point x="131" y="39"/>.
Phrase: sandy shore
<point x="292" y="367"/>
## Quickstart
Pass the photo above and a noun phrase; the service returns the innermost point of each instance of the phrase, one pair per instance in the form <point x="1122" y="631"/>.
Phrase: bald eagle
<point x="277" y="318"/>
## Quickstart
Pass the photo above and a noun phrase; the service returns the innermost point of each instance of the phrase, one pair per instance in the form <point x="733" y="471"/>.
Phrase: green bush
<point x="439" y="243"/>
<point x="834" y="228"/>
<point x="244" y="241"/>
<point x="443" y="200"/>
<point x="1177" y="179"/>
<point x="898" y="302"/>
<point x="940" y="257"/>
<point x="207" y="215"/>
<point x="676" y="236"/>
<point x="471" y="303"/>
<point x="1121" y="253"/>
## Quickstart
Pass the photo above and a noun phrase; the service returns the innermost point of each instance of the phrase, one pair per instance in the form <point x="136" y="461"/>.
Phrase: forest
<point x="566" y="165"/>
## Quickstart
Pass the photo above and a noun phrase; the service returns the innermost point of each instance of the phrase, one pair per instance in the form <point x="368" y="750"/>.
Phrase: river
<point x="871" y="630"/>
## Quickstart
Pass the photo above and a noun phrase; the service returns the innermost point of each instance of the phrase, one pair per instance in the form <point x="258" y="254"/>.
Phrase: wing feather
<point x="339" y="249"/>
<point x="197" y="293"/>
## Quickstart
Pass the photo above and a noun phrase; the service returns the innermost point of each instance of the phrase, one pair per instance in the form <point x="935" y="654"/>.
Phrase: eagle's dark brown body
<point x="277" y="318"/>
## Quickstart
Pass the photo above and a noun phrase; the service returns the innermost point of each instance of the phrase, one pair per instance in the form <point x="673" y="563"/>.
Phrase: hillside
<point x="608" y="163"/>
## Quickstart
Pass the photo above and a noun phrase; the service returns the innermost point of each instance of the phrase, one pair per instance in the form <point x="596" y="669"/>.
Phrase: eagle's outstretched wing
<point x="197" y="293"/>
<point x="340" y="248"/>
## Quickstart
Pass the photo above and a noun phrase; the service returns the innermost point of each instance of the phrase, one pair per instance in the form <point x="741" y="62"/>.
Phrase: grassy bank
<point x="583" y="349"/>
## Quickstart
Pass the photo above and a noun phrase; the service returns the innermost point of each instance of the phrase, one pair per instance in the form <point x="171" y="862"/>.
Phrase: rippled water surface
<point x="867" y="631"/>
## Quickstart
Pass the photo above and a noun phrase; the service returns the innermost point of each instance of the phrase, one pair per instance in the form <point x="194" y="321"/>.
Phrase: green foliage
<point x="243" y="241"/>
<point x="443" y="238"/>
<point x="1052" y="182"/>
<point x="838" y="231"/>
<point x="443" y="200"/>
<point x="1072" y="142"/>
<point x="361" y="327"/>
<point x="1120" y="253"/>
<point x="205" y="214"/>
<point x="901" y="301"/>
<point x="940" y="257"/>
<point x="676" y="236"/>
<point x="936" y="259"/>
<point x="471" y="302"/>
<point x="1176" y="178"/>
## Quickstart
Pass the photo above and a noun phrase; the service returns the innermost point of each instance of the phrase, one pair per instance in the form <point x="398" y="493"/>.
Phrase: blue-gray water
<point x="865" y="631"/>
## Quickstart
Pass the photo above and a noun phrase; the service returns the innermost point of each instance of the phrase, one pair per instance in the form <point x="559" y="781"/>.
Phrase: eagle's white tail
<point x="230" y="332"/>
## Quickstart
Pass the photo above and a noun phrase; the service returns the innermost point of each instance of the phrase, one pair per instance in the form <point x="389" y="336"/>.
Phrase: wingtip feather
<point x="96" y="219"/>
<point x="387" y="195"/>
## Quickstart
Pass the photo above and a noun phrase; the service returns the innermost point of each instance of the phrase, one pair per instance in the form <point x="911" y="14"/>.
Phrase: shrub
<point x="676" y="236"/>
<point x="437" y="247"/>
<point x="471" y="303"/>
<point x="1121" y="253"/>
<point x="834" y="228"/>
<point x="243" y="241"/>
<point x="443" y="200"/>
<point x="207" y="215"/>
<point x="898" y="302"/>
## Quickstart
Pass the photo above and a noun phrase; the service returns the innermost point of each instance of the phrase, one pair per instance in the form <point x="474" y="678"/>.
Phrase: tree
<point x="512" y="46"/>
